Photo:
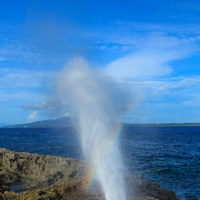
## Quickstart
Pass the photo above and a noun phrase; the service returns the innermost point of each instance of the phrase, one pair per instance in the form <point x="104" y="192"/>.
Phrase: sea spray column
<point x="98" y="125"/>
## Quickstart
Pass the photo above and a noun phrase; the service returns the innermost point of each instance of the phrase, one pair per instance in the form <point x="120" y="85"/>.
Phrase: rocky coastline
<point x="25" y="176"/>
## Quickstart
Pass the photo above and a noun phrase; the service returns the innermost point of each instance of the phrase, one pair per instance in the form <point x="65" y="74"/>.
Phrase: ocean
<point x="169" y="156"/>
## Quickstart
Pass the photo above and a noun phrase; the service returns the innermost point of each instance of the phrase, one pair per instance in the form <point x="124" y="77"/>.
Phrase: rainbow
<point x="89" y="178"/>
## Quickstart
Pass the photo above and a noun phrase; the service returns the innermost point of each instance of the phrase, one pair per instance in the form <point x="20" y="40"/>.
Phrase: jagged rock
<point x="52" y="178"/>
<point x="36" y="169"/>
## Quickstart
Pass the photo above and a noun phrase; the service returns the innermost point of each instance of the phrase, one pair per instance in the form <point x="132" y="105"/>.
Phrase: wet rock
<point x="153" y="190"/>
<point x="54" y="178"/>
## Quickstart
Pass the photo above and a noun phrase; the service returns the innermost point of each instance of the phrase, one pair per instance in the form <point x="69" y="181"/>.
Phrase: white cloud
<point x="149" y="67"/>
<point x="168" y="84"/>
<point x="40" y="106"/>
<point x="138" y="65"/>
<point x="152" y="59"/>
<point x="134" y="34"/>
<point x="32" y="116"/>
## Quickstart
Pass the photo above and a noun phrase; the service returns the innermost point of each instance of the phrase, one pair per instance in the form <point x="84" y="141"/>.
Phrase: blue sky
<point x="152" y="46"/>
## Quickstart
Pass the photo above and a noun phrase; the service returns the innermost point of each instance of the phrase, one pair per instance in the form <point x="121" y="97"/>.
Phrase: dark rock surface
<point x="25" y="176"/>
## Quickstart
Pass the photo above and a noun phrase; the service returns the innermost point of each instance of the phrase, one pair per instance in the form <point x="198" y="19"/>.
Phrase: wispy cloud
<point x="40" y="106"/>
<point x="20" y="96"/>
<point x="21" y="78"/>
<point x="168" y="84"/>
<point x="148" y="64"/>
<point x="14" y="48"/>
<point x="153" y="57"/>
<point x="23" y="86"/>
<point x="138" y="54"/>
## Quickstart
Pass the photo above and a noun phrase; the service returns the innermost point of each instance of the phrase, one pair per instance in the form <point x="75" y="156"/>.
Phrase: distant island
<point x="162" y="124"/>
<point x="65" y="122"/>
<point x="51" y="123"/>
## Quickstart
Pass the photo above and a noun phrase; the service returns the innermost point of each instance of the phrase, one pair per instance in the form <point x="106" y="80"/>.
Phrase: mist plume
<point x="90" y="98"/>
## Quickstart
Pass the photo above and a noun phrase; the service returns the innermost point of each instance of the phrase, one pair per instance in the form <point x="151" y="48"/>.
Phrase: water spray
<point x="90" y="96"/>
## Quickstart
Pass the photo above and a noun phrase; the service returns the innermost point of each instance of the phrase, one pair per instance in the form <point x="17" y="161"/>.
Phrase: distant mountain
<point x="67" y="122"/>
<point x="51" y="123"/>
<point x="162" y="124"/>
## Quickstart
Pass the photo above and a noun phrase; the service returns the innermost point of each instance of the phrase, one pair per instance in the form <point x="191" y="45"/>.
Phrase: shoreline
<point x="124" y="125"/>
<point x="52" y="177"/>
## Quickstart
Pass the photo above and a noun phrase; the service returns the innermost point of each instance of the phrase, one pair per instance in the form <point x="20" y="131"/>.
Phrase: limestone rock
<point x="36" y="169"/>
<point x="40" y="177"/>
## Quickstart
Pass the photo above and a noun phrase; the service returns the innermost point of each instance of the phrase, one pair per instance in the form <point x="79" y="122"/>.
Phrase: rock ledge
<point x="25" y="176"/>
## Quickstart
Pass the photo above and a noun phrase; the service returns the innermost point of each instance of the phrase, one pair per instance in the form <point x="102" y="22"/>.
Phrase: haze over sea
<point x="167" y="155"/>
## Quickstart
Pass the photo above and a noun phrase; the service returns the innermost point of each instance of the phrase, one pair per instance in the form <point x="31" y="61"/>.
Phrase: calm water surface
<point x="167" y="155"/>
